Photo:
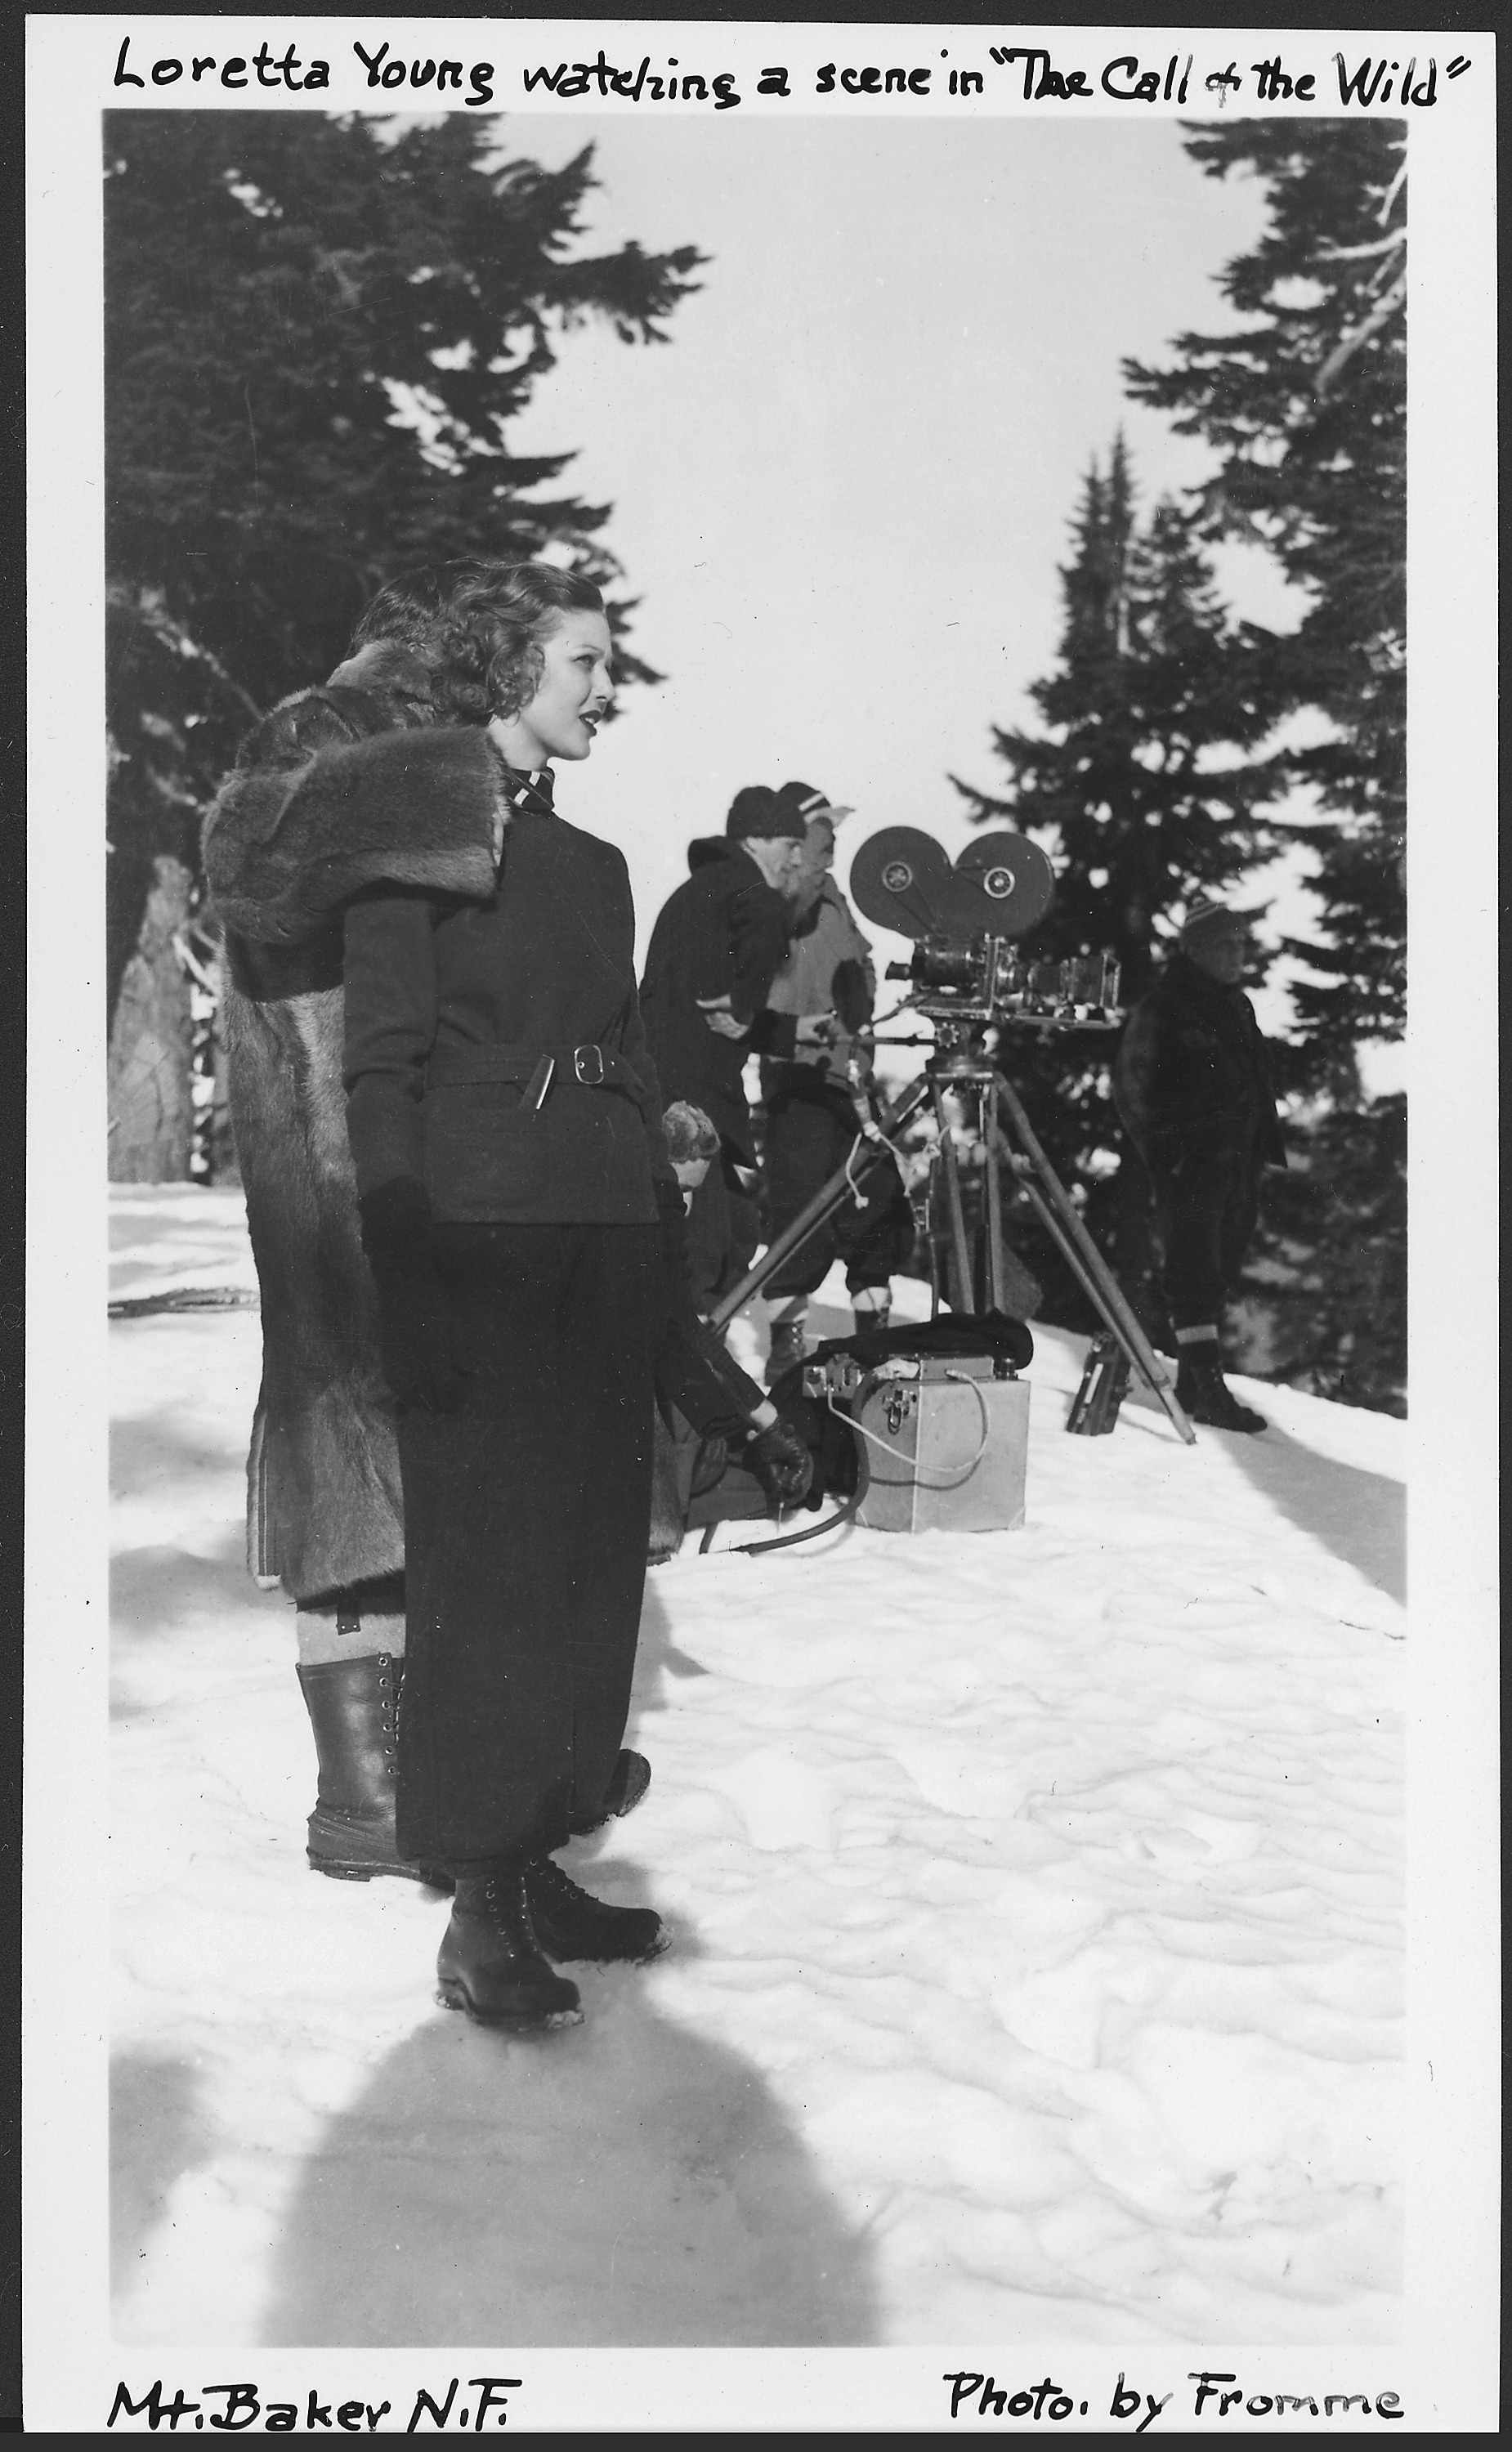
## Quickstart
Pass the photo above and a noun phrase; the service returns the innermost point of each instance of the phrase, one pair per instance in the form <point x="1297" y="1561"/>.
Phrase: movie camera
<point x="965" y="920"/>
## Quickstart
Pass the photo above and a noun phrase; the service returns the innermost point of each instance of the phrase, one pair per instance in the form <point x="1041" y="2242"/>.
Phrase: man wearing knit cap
<point x="1192" y="1084"/>
<point x="717" y="946"/>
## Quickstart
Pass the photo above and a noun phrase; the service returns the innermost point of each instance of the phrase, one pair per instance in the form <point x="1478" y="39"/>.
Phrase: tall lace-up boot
<point x="491" y="1965"/>
<point x="570" y="1923"/>
<point x="354" y="1714"/>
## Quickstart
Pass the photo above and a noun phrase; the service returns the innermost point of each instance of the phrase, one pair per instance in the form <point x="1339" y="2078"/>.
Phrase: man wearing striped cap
<point x="1192" y="1085"/>
<point x="810" y="1099"/>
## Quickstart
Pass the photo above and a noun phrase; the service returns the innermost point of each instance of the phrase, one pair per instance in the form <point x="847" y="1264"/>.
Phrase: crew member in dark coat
<point x="523" y="1228"/>
<point x="1192" y="1084"/>
<point x="718" y="944"/>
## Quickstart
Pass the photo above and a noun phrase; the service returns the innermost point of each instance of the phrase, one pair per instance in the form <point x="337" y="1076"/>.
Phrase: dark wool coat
<point x="722" y="933"/>
<point x="327" y="809"/>
<point x="453" y="1009"/>
<point x="1193" y="1079"/>
<point x="345" y="790"/>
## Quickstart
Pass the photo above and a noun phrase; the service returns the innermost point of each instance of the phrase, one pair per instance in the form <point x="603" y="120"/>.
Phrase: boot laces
<point x="390" y="1673"/>
<point x="549" y="1876"/>
<point x="501" y="1895"/>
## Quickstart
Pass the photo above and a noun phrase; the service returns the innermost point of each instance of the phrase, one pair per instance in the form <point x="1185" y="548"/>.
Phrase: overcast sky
<point x="842" y="490"/>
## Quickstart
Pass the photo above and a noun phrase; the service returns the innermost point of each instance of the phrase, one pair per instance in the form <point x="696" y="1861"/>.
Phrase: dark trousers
<point x="526" y="1515"/>
<point x="810" y="1129"/>
<point x="1205" y="1216"/>
<point x="723" y="1228"/>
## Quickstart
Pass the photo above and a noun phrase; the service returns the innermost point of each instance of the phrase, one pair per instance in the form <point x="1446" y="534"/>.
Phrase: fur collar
<point x="288" y="845"/>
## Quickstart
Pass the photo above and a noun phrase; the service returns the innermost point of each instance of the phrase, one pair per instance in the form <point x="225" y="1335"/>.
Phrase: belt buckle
<point x="588" y="1065"/>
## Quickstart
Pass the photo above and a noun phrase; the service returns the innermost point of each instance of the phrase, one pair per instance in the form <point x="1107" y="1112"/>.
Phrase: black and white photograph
<point x="761" y="1664"/>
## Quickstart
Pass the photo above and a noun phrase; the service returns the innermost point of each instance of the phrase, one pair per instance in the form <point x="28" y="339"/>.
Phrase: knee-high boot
<point x="354" y="1710"/>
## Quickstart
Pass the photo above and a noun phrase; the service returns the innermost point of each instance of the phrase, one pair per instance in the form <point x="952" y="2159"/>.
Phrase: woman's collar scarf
<point x="527" y="794"/>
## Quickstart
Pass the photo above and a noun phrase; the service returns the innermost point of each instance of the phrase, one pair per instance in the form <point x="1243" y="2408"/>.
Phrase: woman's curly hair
<point x="478" y="626"/>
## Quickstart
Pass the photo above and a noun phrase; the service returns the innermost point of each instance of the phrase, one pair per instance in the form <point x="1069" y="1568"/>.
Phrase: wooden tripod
<point x="958" y="1063"/>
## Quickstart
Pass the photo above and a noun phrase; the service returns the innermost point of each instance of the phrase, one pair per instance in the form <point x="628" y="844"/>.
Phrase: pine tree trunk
<point x="148" y="1079"/>
<point x="225" y="1165"/>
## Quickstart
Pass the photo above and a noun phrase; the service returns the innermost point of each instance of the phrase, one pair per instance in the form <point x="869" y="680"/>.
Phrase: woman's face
<point x="573" y="693"/>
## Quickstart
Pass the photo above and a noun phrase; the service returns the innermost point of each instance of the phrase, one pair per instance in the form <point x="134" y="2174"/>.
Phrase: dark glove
<point x="782" y="1463"/>
<point x="416" y="1327"/>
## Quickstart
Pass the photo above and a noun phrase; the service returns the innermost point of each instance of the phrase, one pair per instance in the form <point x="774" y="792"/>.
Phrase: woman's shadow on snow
<point x="158" y="2132"/>
<point x="626" y="2183"/>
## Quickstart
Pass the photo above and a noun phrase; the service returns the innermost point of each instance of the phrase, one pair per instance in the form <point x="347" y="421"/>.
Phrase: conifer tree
<point x="315" y="341"/>
<point x="1306" y="405"/>
<point x="1143" y="787"/>
<point x="1325" y="1297"/>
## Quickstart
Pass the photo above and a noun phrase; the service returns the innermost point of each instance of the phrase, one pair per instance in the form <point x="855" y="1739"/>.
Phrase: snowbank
<point x="1036" y="1900"/>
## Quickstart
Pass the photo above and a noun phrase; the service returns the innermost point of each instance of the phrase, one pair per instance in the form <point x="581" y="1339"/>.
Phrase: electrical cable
<point x="811" y="1532"/>
<point x="918" y="1473"/>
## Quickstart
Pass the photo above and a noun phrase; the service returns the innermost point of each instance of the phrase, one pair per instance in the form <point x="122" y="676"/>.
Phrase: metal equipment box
<point x="947" y="1446"/>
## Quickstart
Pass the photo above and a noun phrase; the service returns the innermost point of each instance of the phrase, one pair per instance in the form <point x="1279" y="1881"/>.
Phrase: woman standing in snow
<point x="523" y="1224"/>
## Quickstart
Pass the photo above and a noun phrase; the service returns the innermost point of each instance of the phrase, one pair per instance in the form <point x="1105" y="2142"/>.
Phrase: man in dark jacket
<point x="718" y="945"/>
<point x="1192" y="1084"/>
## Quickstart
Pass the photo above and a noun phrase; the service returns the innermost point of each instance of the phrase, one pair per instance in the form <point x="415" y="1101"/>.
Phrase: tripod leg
<point x="1122" y="1326"/>
<point x="824" y="1203"/>
<point x="1052" y="1205"/>
<point x="1019" y="1293"/>
<point x="962" y="1289"/>
<point x="996" y="1263"/>
<point x="1073" y="1259"/>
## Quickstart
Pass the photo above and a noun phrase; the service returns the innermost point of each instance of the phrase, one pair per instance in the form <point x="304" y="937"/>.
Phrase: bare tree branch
<point x="1335" y="363"/>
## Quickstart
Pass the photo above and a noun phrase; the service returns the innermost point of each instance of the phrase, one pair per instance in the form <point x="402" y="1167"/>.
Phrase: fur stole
<point x="346" y="787"/>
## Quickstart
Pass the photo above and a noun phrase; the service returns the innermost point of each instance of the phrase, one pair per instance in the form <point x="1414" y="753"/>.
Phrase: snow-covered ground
<point x="1036" y="1900"/>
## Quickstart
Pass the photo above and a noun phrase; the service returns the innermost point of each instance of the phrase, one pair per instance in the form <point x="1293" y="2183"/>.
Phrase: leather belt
<point x="590" y="1065"/>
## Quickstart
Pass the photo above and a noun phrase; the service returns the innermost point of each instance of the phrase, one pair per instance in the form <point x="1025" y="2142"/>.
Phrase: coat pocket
<point x="485" y="1151"/>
